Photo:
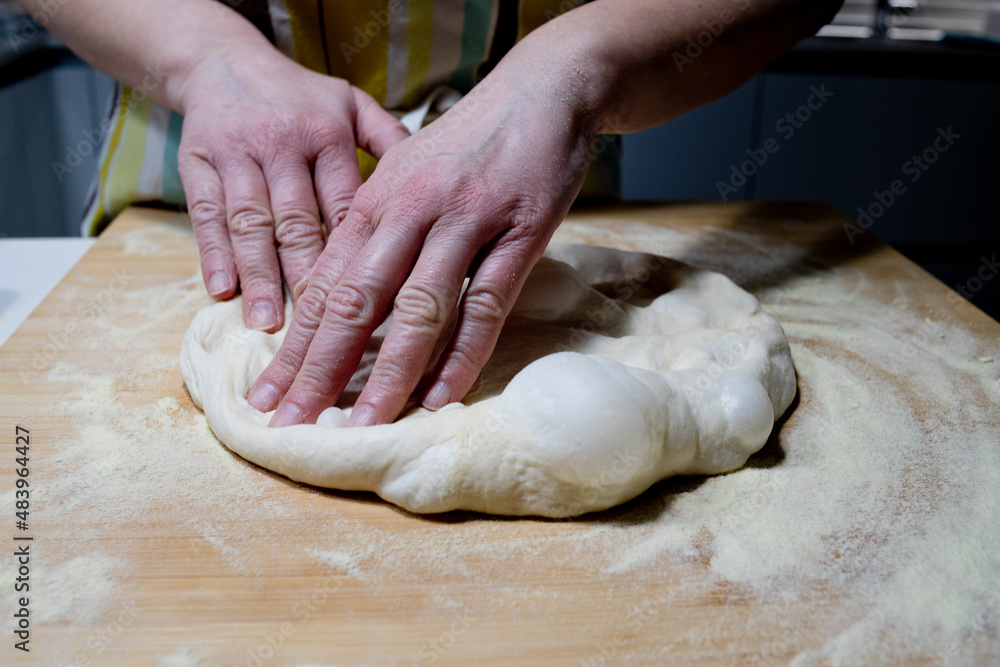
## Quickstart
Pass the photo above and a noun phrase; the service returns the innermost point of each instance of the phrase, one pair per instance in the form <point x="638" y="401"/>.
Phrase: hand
<point x="264" y="140"/>
<point x="477" y="193"/>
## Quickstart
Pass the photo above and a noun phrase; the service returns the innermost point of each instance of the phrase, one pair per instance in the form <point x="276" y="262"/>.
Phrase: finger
<point x="297" y="228"/>
<point x="337" y="181"/>
<point x="421" y="311"/>
<point x="354" y="309"/>
<point x="251" y="231"/>
<point x="377" y="130"/>
<point x="485" y="305"/>
<point x="439" y="347"/>
<point x="206" y="206"/>
<point x="344" y="244"/>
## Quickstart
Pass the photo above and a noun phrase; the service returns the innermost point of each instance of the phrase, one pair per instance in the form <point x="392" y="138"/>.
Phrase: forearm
<point x="150" y="43"/>
<point x="637" y="63"/>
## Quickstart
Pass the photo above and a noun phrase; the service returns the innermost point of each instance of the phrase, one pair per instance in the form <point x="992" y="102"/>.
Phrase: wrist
<point x="579" y="75"/>
<point x="190" y="80"/>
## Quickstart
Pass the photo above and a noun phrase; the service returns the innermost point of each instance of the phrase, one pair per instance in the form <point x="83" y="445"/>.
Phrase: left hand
<point x="477" y="193"/>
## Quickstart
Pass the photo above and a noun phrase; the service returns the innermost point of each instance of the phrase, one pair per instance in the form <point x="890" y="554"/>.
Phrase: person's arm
<point x="268" y="148"/>
<point x="644" y="62"/>
<point x="479" y="192"/>
<point x="132" y="39"/>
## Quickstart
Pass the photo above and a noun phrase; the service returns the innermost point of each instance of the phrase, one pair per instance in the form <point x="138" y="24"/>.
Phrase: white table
<point x="29" y="270"/>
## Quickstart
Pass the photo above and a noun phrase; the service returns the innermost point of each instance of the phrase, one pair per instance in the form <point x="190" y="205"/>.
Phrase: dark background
<point x="888" y="101"/>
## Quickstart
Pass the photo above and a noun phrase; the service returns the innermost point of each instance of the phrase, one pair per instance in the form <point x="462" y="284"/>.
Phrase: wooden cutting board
<point x="153" y="544"/>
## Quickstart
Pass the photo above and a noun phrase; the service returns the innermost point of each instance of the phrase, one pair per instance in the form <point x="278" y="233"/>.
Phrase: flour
<point x="123" y="464"/>
<point x="346" y="562"/>
<point x="875" y="508"/>
<point x="893" y="494"/>
<point x="77" y="589"/>
<point x="182" y="657"/>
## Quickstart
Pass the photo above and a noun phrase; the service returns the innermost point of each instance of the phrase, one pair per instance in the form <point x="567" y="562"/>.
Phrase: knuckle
<point x="469" y="359"/>
<point x="424" y="189"/>
<point x="328" y="134"/>
<point x="356" y="228"/>
<point x="314" y="380"/>
<point x="214" y="248"/>
<point x="283" y="368"/>
<point x="387" y="379"/>
<point x="336" y="215"/>
<point x="420" y="307"/>
<point x="231" y="139"/>
<point x="250" y="219"/>
<point x="257" y="277"/>
<point x="189" y="164"/>
<point x="279" y="124"/>
<point x="486" y="305"/>
<point x="295" y="228"/>
<point x="531" y="209"/>
<point x="311" y="308"/>
<point x="205" y="212"/>
<point x="418" y="195"/>
<point x="485" y="309"/>
<point x="350" y="304"/>
<point x="365" y="201"/>
<point x="529" y="230"/>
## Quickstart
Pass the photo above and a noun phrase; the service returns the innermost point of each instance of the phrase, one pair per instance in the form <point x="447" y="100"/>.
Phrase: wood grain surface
<point x="153" y="544"/>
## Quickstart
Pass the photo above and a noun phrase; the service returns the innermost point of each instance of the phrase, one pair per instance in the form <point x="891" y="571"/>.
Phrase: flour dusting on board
<point x="345" y="562"/>
<point x="892" y="495"/>
<point x="77" y="589"/>
<point x="182" y="657"/>
<point x="876" y="507"/>
<point x="129" y="459"/>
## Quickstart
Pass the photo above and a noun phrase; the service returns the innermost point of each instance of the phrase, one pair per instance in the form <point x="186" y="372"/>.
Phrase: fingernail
<point x="263" y="316"/>
<point x="438" y="397"/>
<point x="286" y="415"/>
<point x="218" y="283"/>
<point x="361" y="416"/>
<point x="263" y="397"/>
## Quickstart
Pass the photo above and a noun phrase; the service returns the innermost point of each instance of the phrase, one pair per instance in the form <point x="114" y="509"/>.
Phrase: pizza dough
<point x="615" y="370"/>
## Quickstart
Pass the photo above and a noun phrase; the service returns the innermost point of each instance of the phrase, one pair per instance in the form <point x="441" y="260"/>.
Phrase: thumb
<point x="377" y="129"/>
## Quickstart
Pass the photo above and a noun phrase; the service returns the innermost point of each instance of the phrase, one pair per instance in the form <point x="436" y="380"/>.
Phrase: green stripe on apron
<point x="475" y="33"/>
<point x="173" y="191"/>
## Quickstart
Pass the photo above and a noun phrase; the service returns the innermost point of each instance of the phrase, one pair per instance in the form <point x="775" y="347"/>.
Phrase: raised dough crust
<point x="615" y="370"/>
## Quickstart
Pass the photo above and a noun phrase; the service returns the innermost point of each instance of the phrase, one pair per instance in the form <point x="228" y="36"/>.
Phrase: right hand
<point x="268" y="152"/>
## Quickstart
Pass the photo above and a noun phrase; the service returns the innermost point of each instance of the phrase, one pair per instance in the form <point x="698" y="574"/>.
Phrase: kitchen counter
<point x="863" y="532"/>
